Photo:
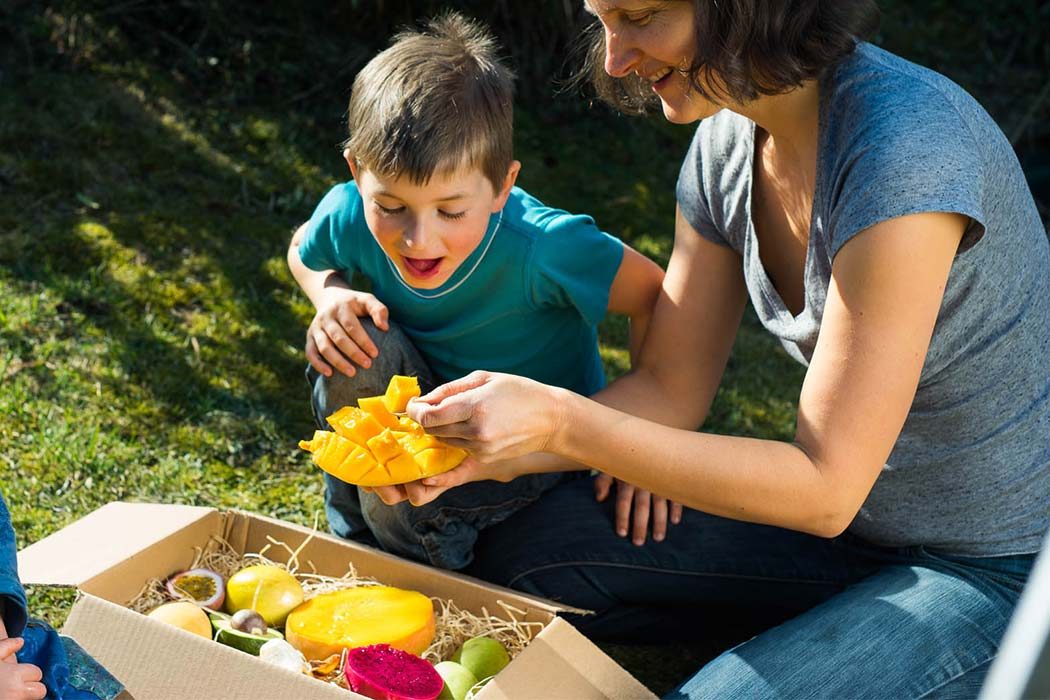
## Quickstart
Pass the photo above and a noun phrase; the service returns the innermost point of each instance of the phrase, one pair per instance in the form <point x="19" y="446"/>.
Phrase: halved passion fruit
<point x="202" y="586"/>
<point x="226" y="633"/>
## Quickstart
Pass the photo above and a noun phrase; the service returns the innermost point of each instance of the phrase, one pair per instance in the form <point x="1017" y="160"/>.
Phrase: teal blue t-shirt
<point x="527" y="301"/>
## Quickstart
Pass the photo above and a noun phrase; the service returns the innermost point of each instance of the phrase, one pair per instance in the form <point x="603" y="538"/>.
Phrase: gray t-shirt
<point x="970" y="473"/>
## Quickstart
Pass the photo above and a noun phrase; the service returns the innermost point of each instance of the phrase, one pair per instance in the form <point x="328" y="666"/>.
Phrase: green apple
<point x="458" y="680"/>
<point x="482" y="656"/>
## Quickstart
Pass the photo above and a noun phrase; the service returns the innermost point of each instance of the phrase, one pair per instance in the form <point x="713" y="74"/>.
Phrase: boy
<point x="476" y="273"/>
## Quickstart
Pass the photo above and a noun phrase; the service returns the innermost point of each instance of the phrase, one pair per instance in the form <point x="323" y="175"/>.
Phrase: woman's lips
<point x="422" y="268"/>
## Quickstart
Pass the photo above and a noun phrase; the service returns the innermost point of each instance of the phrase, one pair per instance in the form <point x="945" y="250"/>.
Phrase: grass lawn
<point x="150" y="333"/>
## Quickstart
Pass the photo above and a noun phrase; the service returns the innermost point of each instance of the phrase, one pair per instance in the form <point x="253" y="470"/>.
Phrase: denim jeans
<point x="441" y="533"/>
<point x="836" y="618"/>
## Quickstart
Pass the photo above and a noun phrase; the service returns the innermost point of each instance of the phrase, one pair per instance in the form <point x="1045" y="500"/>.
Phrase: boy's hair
<point x="746" y="48"/>
<point x="434" y="101"/>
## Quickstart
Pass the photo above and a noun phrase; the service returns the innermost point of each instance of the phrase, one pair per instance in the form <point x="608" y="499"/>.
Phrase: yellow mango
<point x="377" y="408"/>
<point x="354" y="424"/>
<point x="355" y="617"/>
<point x="439" y="460"/>
<point x="373" y="447"/>
<point x="338" y="456"/>
<point x="399" y="391"/>
<point x="402" y="468"/>
<point x="385" y="446"/>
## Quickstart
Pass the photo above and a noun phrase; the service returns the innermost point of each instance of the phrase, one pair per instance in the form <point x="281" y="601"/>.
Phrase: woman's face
<point x="654" y="39"/>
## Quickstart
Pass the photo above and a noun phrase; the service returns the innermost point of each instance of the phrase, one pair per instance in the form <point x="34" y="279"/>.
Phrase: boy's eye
<point x="452" y="215"/>
<point x="389" y="211"/>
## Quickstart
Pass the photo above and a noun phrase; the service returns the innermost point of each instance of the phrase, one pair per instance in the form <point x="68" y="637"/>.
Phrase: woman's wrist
<point x="563" y="411"/>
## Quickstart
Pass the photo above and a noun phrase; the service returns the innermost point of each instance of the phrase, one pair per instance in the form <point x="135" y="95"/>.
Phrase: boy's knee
<point x="396" y="355"/>
<point x="393" y="526"/>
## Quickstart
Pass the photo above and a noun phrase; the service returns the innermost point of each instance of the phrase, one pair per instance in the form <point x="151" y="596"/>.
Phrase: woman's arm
<point x="882" y="305"/>
<point x="673" y="379"/>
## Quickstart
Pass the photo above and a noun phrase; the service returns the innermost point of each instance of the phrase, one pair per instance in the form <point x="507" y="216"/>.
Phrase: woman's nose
<point x="620" y="57"/>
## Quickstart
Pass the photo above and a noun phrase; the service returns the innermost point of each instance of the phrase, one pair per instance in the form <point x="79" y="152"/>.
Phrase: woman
<point x="882" y="228"/>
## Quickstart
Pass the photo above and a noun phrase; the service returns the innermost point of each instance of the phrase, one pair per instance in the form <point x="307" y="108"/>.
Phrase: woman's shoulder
<point x="875" y="94"/>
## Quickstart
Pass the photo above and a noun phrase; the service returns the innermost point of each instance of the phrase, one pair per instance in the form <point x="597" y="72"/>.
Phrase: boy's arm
<point x="633" y="293"/>
<point x="335" y="338"/>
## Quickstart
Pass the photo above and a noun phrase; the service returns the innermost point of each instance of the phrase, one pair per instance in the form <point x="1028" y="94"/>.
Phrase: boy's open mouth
<point x="422" y="267"/>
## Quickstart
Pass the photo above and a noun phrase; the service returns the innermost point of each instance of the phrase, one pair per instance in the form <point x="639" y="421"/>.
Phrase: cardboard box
<point x="111" y="553"/>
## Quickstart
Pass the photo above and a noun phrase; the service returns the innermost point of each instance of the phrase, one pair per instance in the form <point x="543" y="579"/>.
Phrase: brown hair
<point x="746" y="48"/>
<point x="434" y="100"/>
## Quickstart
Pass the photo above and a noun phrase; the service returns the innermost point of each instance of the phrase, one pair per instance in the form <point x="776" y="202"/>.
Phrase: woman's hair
<point x="746" y="48"/>
<point x="434" y="100"/>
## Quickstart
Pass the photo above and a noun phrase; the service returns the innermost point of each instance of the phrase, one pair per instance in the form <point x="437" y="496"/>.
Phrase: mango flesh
<point x="356" y="617"/>
<point x="373" y="447"/>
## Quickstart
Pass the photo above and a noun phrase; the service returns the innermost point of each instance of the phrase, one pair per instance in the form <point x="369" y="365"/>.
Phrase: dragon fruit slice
<point x="381" y="672"/>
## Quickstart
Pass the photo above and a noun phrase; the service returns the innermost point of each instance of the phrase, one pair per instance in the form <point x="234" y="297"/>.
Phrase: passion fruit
<point x="201" y="586"/>
<point x="269" y="590"/>
<point x="248" y="621"/>
<point x="226" y="633"/>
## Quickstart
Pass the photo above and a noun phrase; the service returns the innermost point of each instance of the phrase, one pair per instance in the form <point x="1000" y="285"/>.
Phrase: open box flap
<point x="562" y="664"/>
<point x="101" y="540"/>
<point x="159" y="662"/>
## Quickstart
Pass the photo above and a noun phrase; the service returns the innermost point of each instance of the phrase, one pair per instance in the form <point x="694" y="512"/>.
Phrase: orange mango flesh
<point x="355" y="617"/>
<point x="373" y="447"/>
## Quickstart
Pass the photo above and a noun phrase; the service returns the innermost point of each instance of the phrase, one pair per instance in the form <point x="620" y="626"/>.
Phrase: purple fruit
<point x="381" y="672"/>
<point x="202" y="586"/>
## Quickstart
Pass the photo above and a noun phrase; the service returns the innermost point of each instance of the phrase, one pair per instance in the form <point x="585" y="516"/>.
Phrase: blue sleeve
<point x="574" y="264"/>
<point x="11" y="592"/>
<point x="917" y="156"/>
<point x="332" y="237"/>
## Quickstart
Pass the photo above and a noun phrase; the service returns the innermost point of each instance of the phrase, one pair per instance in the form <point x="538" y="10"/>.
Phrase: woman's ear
<point x="508" y="183"/>
<point x="351" y="161"/>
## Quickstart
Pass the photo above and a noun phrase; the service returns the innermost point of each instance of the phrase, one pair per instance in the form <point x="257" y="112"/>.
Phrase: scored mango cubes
<point x="371" y="446"/>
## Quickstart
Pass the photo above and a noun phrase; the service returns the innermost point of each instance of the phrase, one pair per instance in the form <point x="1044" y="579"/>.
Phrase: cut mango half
<point x="373" y="447"/>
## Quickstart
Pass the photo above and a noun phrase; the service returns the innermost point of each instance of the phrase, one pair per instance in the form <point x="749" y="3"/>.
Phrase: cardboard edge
<point x="86" y="548"/>
<point x="155" y="660"/>
<point x="561" y="664"/>
<point x="544" y="604"/>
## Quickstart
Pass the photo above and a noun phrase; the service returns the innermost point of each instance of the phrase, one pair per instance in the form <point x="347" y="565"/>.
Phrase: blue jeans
<point x="441" y="533"/>
<point x="836" y="618"/>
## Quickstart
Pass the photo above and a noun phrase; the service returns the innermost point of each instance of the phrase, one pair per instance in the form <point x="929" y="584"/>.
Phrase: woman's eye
<point x="389" y="211"/>
<point x="641" y="19"/>
<point x="452" y="215"/>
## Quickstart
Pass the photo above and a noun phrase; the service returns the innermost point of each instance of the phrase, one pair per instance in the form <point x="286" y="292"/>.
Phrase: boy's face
<point x="429" y="230"/>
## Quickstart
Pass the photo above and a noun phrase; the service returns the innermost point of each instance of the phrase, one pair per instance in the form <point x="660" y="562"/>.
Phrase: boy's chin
<point x="417" y="282"/>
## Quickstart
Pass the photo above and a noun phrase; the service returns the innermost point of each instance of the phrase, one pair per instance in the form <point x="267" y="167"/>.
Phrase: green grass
<point x="150" y="333"/>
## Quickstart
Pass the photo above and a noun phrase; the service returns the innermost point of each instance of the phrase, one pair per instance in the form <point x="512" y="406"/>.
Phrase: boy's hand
<point x="336" y="339"/>
<point x="18" y="681"/>
<point x="644" y="505"/>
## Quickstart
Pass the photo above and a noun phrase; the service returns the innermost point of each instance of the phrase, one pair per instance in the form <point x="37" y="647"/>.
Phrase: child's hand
<point x="18" y="681"/>
<point x="335" y="336"/>
<point x="644" y="505"/>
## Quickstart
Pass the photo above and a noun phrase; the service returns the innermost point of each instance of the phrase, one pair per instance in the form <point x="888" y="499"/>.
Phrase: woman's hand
<point x="645" y="507"/>
<point x="425" y="490"/>
<point x="18" y="681"/>
<point x="495" y="417"/>
<point x="336" y="339"/>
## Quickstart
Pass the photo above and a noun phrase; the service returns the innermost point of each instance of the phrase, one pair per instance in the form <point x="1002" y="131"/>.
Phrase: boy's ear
<point x="508" y="183"/>
<point x="349" y="158"/>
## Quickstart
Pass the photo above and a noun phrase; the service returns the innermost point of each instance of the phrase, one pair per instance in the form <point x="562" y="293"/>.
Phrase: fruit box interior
<point x="111" y="553"/>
